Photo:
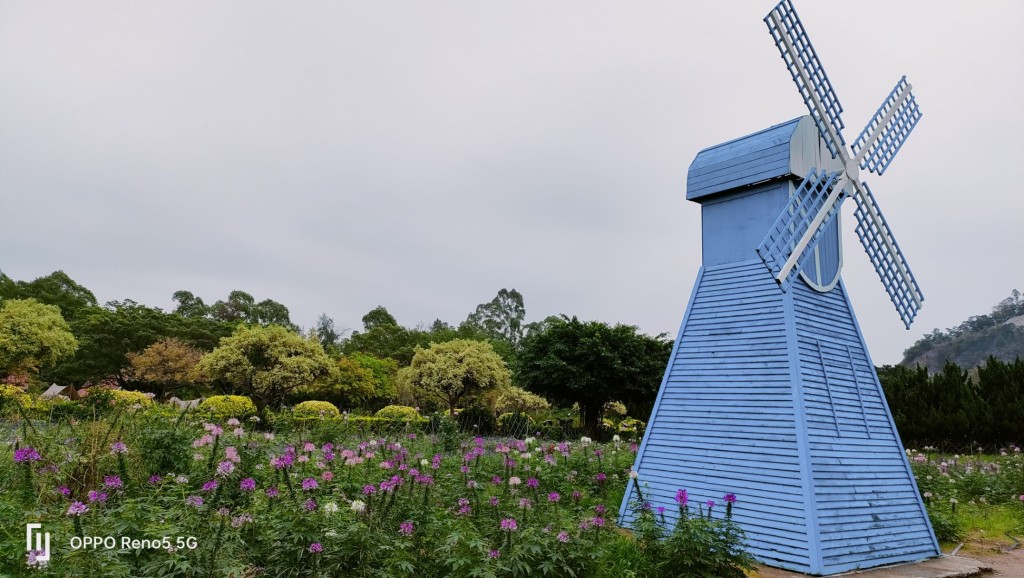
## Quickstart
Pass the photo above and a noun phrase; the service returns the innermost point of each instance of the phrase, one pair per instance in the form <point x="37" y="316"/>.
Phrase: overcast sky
<point x="336" y="156"/>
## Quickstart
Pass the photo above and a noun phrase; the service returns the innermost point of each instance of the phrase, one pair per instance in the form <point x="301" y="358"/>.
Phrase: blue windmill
<point x="772" y="394"/>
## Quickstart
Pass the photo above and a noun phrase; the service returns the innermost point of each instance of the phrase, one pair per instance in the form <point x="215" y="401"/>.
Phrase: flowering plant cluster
<point x="309" y="501"/>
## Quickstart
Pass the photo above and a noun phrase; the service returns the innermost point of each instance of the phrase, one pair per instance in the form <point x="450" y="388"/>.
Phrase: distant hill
<point x="1000" y="334"/>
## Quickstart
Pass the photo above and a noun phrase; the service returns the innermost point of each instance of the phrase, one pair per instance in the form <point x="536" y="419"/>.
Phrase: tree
<point x="54" y="289"/>
<point x="378" y="317"/>
<point x="189" y="305"/>
<point x="164" y="367"/>
<point x="328" y="334"/>
<point x="456" y="370"/>
<point x="384" y="337"/>
<point x="32" y="334"/>
<point x="237" y="308"/>
<point x="267" y="363"/>
<point x="270" y="312"/>
<point x="502" y="318"/>
<point x="590" y="363"/>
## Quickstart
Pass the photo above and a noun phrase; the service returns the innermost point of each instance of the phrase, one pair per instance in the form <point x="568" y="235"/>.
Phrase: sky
<point x="335" y="156"/>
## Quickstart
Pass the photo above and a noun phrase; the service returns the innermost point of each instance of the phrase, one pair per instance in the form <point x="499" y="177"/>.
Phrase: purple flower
<point x="711" y="504"/>
<point x="406" y="528"/>
<point x="494" y="501"/>
<point x="309" y="484"/>
<point x="112" y="482"/>
<point x="26" y="455"/>
<point x="194" y="501"/>
<point x="210" y="486"/>
<point x="225" y="468"/>
<point x="661" y="510"/>
<point x="494" y="554"/>
<point x="64" y="490"/>
<point x="563" y="537"/>
<point x="554" y="497"/>
<point x="316" y="547"/>
<point x="730" y="498"/>
<point x="118" y="447"/>
<point x="509" y="525"/>
<point x="310" y="505"/>
<point x="155" y="479"/>
<point x="496" y="480"/>
<point x="532" y="483"/>
<point x="95" y="496"/>
<point x="682" y="498"/>
<point x="576" y="495"/>
<point x="77" y="509"/>
<point x="247" y="485"/>
<point x="597" y="521"/>
<point x="601" y="477"/>
<point x="600" y="509"/>
<point x="525" y="503"/>
<point x="369" y="489"/>
<point x="272" y="492"/>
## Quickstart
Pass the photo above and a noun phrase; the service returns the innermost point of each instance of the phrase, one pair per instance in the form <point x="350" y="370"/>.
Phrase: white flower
<point x="585" y="441"/>
<point x="616" y="438"/>
<point x="330" y="507"/>
<point x="514" y="481"/>
<point x="424" y="462"/>
<point x="358" y="506"/>
<point x="269" y="436"/>
<point x="254" y="419"/>
<point x="632" y="474"/>
<point x="181" y="479"/>
<point x="529" y="440"/>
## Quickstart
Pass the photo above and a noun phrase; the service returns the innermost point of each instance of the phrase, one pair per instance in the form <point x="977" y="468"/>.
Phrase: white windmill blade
<point x="887" y="130"/>
<point x="885" y="255"/>
<point x="810" y="211"/>
<point x="788" y="32"/>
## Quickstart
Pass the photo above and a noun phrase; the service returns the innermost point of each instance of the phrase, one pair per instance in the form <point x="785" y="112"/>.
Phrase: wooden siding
<point x="773" y="397"/>
<point x="754" y="158"/>
<point x="869" y="510"/>
<point x="724" y="420"/>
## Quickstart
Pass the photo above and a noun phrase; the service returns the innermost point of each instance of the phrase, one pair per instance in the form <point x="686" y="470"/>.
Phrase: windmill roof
<point x="787" y="150"/>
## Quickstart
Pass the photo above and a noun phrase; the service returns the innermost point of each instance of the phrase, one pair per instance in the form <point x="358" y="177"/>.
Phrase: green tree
<point x="456" y="370"/>
<point x="501" y="319"/>
<point x="54" y="289"/>
<point x="384" y="337"/>
<point x="237" y="308"/>
<point x="590" y="363"/>
<point x="188" y="305"/>
<point x="328" y="334"/>
<point x="267" y="364"/>
<point x="32" y="334"/>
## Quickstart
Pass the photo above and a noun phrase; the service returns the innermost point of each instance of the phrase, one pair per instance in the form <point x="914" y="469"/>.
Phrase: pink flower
<point x="316" y="547"/>
<point x="598" y="522"/>
<point x="509" y="525"/>
<point x="406" y="528"/>
<point x="247" y="485"/>
<point x="309" y="484"/>
<point x="563" y="537"/>
<point x="682" y="498"/>
<point x="113" y="482"/>
<point x="730" y="498"/>
<point x="554" y="497"/>
<point x="77" y="509"/>
<point x="210" y="486"/>
<point x="327" y="476"/>
<point x="601" y="477"/>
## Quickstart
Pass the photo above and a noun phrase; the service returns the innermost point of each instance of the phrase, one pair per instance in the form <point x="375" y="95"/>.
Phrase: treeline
<point x="957" y="407"/>
<point x="53" y="330"/>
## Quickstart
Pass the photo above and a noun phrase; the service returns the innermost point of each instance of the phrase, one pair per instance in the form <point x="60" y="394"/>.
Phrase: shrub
<point x="477" y="420"/>
<point x="398" y="412"/>
<point x="10" y="396"/>
<point x="946" y="525"/>
<point x="127" y="398"/>
<point x="225" y="406"/>
<point x="316" y="409"/>
<point x="517" y="399"/>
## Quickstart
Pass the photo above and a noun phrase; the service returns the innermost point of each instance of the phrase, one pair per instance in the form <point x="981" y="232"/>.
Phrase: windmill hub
<point x="852" y="170"/>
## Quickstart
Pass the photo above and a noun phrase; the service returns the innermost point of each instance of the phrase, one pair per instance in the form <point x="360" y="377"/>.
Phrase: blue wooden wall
<point x="773" y="396"/>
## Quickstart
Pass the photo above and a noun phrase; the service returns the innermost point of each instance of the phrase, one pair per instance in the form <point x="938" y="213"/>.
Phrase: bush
<point x="225" y="406"/>
<point x="398" y="412"/>
<point x="10" y="397"/>
<point x="127" y="398"/>
<point x="316" y="409"/>
<point x="946" y="525"/>
<point x="477" y="420"/>
<point x="517" y="399"/>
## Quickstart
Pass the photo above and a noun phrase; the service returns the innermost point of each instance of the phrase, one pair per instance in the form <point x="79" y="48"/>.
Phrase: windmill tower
<point x="770" y="392"/>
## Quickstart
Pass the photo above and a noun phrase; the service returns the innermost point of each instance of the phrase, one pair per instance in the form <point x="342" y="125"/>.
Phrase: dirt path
<point x="1005" y="563"/>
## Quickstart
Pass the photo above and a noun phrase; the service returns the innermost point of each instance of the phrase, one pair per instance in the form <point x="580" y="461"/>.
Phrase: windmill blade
<point x="798" y="229"/>
<point x="883" y="136"/>
<point x="788" y="32"/>
<point x="885" y="255"/>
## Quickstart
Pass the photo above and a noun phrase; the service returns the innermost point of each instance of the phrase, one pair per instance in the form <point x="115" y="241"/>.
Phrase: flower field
<point x="155" y="492"/>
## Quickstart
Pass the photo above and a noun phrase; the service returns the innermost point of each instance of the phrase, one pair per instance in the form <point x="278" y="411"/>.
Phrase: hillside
<point x="1000" y="334"/>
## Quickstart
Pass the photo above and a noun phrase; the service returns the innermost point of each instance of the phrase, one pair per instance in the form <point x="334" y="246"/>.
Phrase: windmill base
<point x="773" y="396"/>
